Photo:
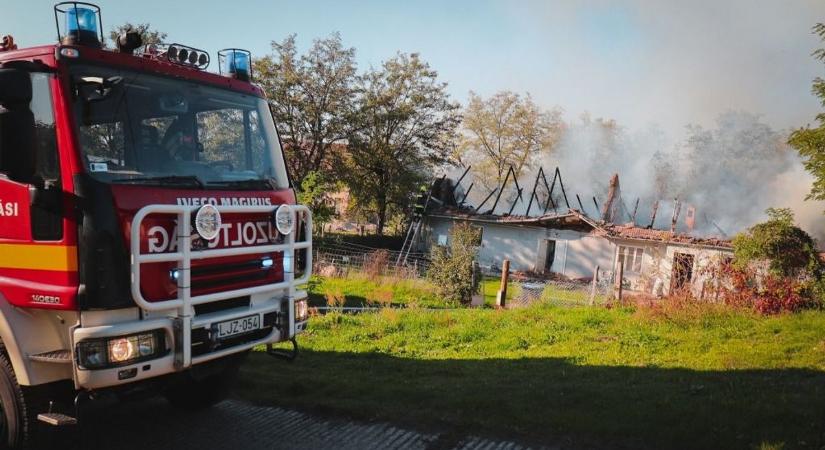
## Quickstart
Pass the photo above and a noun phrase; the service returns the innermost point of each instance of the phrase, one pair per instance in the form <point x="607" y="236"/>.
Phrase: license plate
<point x="235" y="327"/>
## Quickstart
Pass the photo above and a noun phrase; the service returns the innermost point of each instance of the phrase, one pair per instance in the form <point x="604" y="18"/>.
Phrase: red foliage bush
<point x="780" y="294"/>
<point x="765" y="292"/>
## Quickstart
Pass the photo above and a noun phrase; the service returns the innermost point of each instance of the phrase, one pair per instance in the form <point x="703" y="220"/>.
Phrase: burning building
<point x="570" y="243"/>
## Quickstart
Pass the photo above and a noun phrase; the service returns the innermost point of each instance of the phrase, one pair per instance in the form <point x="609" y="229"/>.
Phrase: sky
<point x="641" y="62"/>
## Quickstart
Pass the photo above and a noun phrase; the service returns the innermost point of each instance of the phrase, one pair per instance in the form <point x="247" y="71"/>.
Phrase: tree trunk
<point x="382" y="214"/>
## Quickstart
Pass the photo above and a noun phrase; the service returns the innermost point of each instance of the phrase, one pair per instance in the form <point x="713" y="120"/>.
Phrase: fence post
<point x="501" y="298"/>
<point x="593" y="285"/>
<point x="620" y="278"/>
<point x="477" y="297"/>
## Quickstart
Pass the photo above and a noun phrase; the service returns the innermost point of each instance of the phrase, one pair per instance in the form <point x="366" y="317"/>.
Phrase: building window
<point x="631" y="257"/>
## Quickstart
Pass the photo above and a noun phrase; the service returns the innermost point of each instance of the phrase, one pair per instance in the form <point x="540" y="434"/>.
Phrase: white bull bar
<point x="182" y="305"/>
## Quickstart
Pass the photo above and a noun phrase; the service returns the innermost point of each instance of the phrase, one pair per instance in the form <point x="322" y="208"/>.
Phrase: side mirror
<point x="15" y="87"/>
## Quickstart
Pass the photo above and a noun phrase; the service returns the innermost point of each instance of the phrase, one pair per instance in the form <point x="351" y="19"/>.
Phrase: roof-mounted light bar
<point x="178" y="54"/>
<point x="235" y="63"/>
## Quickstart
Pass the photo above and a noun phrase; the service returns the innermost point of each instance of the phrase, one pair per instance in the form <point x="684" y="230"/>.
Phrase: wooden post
<point x="477" y="298"/>
<point x="501" y="298"/>
<point x="620" y="278"/>
<point x="593" y="285"/>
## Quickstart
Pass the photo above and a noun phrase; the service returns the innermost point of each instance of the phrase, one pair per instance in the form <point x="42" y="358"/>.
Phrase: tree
<point x="506" y="130"/>
<point x="451" y="267"/>
<point x="789" y="250"/>
<point x="147" y="34"/>
<point x="313" y="188"/>
<point x="810" y="142"/>
<point x="404" y="125"/>
<point x="311" y="97"/>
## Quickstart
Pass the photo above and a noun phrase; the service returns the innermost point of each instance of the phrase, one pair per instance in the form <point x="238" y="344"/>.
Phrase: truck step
<point x="54" y="356"/>
<point x="57" y="419"/>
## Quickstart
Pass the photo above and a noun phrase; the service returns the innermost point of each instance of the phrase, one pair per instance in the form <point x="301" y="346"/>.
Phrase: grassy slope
<point x="593" y="375"/>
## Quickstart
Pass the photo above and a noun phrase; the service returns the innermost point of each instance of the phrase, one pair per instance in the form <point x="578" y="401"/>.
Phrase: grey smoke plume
<point x="729" y="172"/>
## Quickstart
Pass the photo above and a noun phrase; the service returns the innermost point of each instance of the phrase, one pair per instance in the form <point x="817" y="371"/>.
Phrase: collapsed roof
<point x="608" y="225"/>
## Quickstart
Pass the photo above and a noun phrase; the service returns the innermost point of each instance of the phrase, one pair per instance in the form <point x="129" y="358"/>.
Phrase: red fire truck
<point x="149" y="237"/>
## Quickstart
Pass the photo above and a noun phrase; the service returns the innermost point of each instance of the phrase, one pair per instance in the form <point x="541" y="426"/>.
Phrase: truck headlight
<point x="121" y="350"/>
<point x="301" y="310"/>
<point x="284" y="219"/>
<point x="207" y="222"/>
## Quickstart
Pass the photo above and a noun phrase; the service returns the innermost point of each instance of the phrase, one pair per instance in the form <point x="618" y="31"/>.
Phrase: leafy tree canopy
<point x="312" y="96"/>
<point x="506" y="130"/>
<point x="810" y="142"/>
<point x="147" y="34"/>
<point x="312" y="194"/>
<point x="404" y="124"/>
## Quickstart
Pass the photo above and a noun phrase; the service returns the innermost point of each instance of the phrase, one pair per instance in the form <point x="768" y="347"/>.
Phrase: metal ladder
<point x="413" y="229"/>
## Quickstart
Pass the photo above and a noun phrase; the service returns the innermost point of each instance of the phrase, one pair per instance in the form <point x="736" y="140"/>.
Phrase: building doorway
<point x="545" y="256"/>
<point x="682" y="271"/>
<point x="550" y="256"/>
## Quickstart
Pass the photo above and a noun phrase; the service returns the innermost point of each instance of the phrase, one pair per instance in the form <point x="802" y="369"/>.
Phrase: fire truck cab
<point x="149" y="236"/>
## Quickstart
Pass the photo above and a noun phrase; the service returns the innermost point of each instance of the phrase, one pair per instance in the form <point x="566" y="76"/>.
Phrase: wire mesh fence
<point x="563" y="292"/>
<point x="339" y="259"/>
<point x="342" y="259"/>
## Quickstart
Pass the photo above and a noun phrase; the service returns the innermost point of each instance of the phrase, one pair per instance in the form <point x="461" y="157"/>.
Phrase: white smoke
<point x="730" y="173"/>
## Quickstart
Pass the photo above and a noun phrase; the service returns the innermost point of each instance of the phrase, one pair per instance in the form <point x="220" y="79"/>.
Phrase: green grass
<point x="359" y="288"/>
<point x="575" y="376"/>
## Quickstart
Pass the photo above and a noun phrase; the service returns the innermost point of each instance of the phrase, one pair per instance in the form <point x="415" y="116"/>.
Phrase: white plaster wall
<point x="703" y="259"/>
<point x="519" y="244"/>
<point x="576" y="254"/>
<point x="430" y="230"/>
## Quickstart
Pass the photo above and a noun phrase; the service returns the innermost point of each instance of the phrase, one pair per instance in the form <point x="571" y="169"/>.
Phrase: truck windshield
<point x="140" y="128"/>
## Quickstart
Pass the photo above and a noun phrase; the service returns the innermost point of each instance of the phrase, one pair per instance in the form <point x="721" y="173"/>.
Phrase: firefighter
<point x="180" y="140"/>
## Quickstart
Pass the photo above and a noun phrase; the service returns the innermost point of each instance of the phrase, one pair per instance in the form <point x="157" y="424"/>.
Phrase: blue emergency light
<point x="236" y="63"/>
<point x="81" y="24"/>
<point x="81" y="19"/>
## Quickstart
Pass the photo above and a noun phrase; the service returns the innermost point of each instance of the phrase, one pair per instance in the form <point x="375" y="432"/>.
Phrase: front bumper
<point x="278" y="324"/>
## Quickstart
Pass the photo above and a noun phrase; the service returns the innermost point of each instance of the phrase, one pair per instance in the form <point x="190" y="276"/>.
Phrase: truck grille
<point x="212" y="278"/>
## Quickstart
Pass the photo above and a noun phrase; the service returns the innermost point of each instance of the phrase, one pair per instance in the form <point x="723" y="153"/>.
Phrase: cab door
<point x="38" y="265"/>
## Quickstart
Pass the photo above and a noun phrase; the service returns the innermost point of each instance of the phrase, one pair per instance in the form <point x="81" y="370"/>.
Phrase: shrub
<point x="788" y="250"/>
<point x="451" y="267"/>
<point x="375" y="263"/>
<point x="766" y="293"/>
<point x="776" y="267"/>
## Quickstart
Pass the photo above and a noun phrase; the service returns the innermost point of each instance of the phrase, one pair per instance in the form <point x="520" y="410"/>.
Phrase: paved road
<point x="234" y="424"/>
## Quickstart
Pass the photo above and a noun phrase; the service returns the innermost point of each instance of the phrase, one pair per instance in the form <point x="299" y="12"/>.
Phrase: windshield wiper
<point x="169" y="179"/>
<point x="250" y="183"/>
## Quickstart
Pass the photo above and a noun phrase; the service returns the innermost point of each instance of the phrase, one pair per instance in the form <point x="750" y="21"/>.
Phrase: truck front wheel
<point x="16" y="423"/>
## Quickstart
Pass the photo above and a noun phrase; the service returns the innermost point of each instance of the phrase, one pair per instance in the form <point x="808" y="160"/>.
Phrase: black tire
<point x="17" y="424"/>
<point x="194" y="392"/>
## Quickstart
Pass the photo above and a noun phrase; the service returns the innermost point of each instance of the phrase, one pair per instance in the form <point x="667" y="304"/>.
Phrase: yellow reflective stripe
<point x="38" y="257"/>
